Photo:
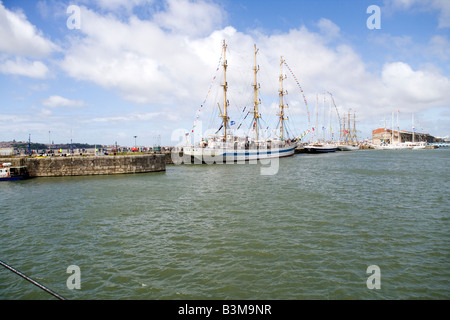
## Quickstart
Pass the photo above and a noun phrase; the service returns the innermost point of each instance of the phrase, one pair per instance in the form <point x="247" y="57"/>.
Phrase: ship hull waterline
<point x="348" y="147"/>
<point x="320" y="149"/>
<point x="16" y="178"/>
<point x="206" y="155"/>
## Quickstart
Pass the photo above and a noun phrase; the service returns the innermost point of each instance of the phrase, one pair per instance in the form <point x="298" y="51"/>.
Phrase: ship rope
<point x="301" y="90"/>
<point x="204" y="101"/>
<point x="337" y="112"/>
<point x="31" y="280"/>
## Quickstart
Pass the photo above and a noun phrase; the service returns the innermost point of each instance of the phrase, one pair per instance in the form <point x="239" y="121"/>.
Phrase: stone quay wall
<point x="93" y="165"/>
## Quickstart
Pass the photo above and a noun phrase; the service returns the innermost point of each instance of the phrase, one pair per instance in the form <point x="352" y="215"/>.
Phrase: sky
<point x="107" y="71"/>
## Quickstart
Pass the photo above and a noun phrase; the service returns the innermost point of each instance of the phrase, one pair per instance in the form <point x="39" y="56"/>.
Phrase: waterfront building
<point x="385" y="136"/>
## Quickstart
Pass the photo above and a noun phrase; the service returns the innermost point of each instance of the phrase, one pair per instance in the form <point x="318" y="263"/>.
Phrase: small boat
<point x="419" y="146"/>
<point x="320" y="148"/>
<point x="348" y="147"/>
<point x="12" y="173"/>
<point x="396" y="146"/>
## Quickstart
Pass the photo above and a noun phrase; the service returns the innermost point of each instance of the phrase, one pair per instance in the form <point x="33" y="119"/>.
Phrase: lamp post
<point x="29" y="144"/>
<point x="135" y="144"/>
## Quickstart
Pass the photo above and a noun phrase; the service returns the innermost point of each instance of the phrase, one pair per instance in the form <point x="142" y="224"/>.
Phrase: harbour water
<point x="228" y="232"/>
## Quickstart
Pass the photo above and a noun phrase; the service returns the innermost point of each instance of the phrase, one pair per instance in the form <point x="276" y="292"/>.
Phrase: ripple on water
<point x="226" y="232"/>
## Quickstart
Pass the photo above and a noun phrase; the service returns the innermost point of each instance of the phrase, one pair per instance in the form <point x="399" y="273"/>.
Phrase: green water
<point x="228" y="232"/>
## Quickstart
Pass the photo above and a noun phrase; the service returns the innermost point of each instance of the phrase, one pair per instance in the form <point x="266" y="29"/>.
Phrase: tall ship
<point x="348" y="141"/>
<point x="389" y="141"/>
<point x="225" y="146"/>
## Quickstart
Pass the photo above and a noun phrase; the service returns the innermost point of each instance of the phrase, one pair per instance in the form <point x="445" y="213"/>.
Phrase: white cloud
<point x="440" y="47"/>
<point x="125" y="118"/>
<point x="137" y="58"/>
<point x="117" y="5"/>
<point x="442" y="6"/>
<point x="21" y="43"/>
<point x="329" y="29"/>
<point x="415" y="89"/>
<point x="165" y="64"/>
<point x="19" y="37"/>
<point x="45" y="112"/>
<point x="24" y="67"/>
<point x="58" y="101"/>
<point x="37" y="122"/>
<point x="148" y="64"/>
<point x="190" y="18"/>
<point x="156" y="64"/>
<point x="444" y="16"/>
<point x="389" y="41"/>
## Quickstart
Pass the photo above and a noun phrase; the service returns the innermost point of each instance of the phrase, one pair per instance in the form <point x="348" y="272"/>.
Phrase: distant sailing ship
<point x="416" y="145"/>
<point x="393" y="145"/>
<point x="349" y="141"/>
<point x="227" y="147"/>
<point x="321" y="145"/>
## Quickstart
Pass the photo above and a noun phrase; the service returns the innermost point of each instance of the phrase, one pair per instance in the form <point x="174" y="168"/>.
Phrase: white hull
<point x="347" y="147"/>
<point x="396" y="147"/>
<point x="320" y="148"/>
<point x="393" y="147"/>
<point x="229" y="155"/>
<point x="419" y="146"/>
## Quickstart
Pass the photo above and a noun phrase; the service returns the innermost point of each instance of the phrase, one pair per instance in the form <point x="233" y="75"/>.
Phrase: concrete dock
<point x="90" y="165"/>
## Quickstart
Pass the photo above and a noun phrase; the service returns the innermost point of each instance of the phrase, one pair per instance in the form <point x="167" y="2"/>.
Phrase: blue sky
<point x="143" y="67"/>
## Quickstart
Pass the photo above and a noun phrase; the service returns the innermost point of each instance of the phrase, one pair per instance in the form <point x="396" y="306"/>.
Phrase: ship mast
<point x="392" y="125"/>
<point x="224" y="116"/>
<point x="282" y="105"/>
<point x="344" y="132"/>
<point x="349" y="137"/>
<point x="256" y="102"/>
<point x="317" y="117"/>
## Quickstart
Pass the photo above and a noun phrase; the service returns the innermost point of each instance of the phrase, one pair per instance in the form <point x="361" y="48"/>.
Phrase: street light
<point x="135" y="144"/>
<point x="29" y="144"/>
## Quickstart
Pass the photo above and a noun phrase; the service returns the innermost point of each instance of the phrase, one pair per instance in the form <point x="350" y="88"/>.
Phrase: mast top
<point x="256" y="114"/>
<point x="282" y="105"/>
<point x="225" y="87"/>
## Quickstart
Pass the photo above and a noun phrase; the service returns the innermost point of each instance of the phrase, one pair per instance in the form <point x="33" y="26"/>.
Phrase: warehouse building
<point x="384" y="135"/>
